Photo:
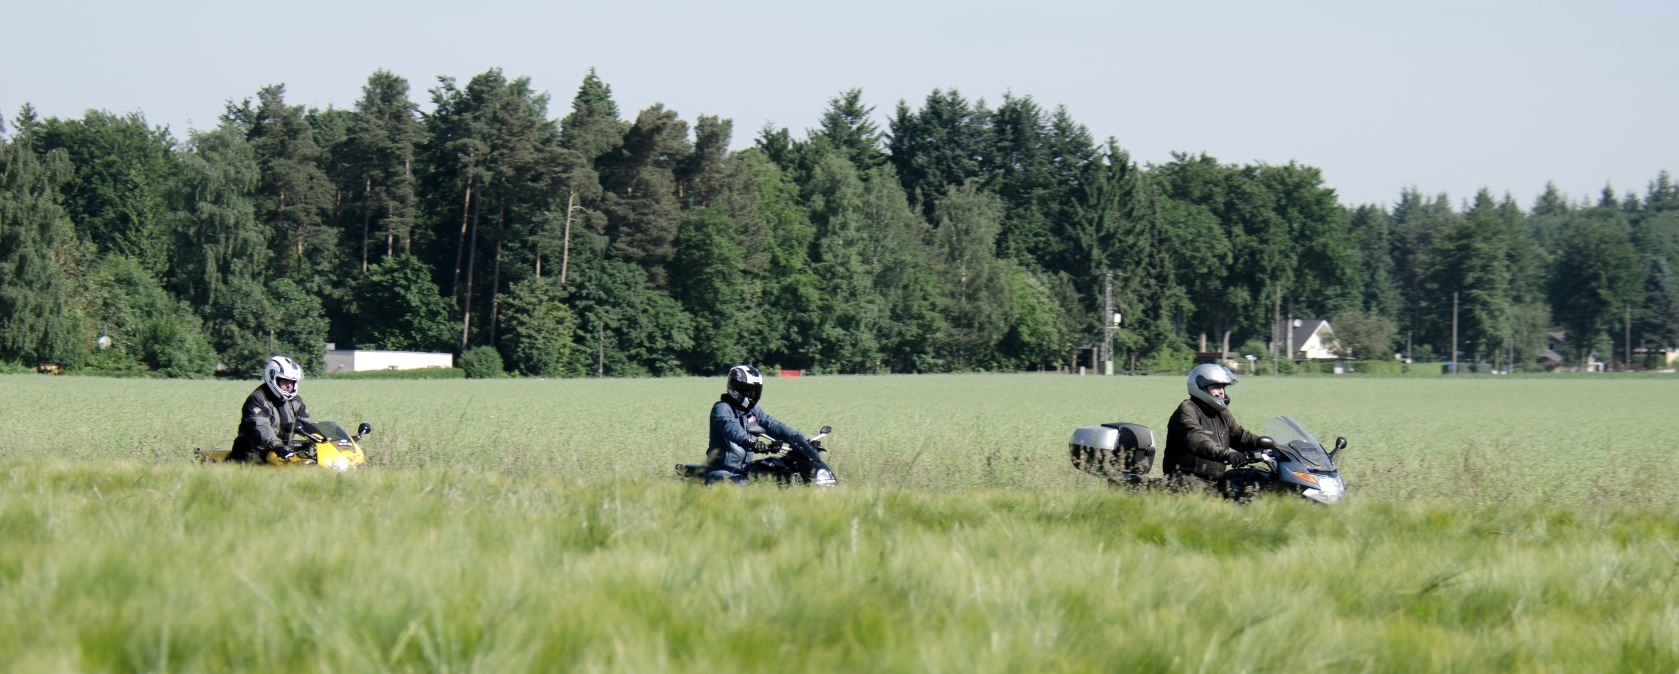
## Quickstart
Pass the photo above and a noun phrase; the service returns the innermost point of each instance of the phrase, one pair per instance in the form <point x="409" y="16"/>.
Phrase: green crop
<point x="1492" y="524"/>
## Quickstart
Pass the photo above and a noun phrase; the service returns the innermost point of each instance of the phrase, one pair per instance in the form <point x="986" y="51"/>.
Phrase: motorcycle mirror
<point x="364" y="428"/>
<point x="1340" y="444"/>
<point x="1265" y="442"/>
<point x="826" y="429"/>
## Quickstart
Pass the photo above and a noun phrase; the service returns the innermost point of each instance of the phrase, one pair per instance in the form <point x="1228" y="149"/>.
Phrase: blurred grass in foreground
<point x="129" y="566"/>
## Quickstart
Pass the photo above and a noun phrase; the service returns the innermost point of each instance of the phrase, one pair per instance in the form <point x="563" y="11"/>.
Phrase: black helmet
<point x="1208" y="374"/>
<point x="746" y="385"/>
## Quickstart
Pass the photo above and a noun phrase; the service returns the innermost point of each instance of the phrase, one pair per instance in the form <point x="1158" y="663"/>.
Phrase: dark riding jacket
<point x="1199" y="439"/>
<point x="730" y="439"/>
<point x="266" y="423"/>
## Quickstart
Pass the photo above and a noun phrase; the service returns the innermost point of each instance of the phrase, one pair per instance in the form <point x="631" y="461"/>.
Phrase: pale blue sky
<point x="1445" y="96"/>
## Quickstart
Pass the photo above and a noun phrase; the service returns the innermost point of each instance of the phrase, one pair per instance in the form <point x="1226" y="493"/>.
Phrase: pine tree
<point x="1472" y="263"/>
<point x="381" y="153"/>
<point x="1022" y="174"/>
<point x="39" y="322"/>
<point x="846" y="336"/>
<point x="708" y="281"/>
<point x="641" y="203"/>
<point x="976" y="282"/>
<point x="896" y="254"/>
<point x="493" y="150"/>
<point x="938" y="147"/>
<point x="294" y="196"/>
<point x="1594" y="279"/>
<point x="1656" y="322"/>
<point x="592" y="129"/>
<point x="847" y="128"/>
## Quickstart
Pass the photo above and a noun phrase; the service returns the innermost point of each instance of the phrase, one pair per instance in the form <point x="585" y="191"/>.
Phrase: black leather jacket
<point x="1199" y="439"/>
<point x="266" y="424"/>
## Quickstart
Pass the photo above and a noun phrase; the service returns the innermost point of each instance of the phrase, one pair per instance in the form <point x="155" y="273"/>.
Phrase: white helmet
<point x="281" y="367"/>
<point x="746" y="385"/>
<point x="1208" y="374"/>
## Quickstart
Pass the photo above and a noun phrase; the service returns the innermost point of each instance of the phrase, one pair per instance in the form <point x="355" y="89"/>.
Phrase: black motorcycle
<point x="780" y="461"/>
<point x="1290" y="460"/>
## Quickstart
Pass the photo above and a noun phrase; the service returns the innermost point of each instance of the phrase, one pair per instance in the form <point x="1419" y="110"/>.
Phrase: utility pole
<point x="1626" y="365"/>
<point x="1454" y="333"/>
<point x="1289" y="324"/>
<point x="1277" y="322"/>
<point x="1108" y="323"/>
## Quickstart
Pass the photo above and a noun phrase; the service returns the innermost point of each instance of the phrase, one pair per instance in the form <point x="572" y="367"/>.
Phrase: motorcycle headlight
<point x="1329" y="490"/>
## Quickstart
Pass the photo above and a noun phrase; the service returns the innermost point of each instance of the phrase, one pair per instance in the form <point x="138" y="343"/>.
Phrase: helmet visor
<point x="750" y="392"/>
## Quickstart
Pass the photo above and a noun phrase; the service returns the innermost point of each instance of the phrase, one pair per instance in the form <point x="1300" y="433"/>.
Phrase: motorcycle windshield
<point x="1294" y="440"/>
<point x="328" y="429"/>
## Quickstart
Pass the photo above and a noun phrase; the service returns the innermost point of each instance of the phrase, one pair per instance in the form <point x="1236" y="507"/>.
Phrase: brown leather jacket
<point x="1199" y="440"/>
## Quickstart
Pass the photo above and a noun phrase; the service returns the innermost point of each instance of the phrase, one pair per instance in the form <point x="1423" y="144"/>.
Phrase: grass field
<point x="1492" y="524"/>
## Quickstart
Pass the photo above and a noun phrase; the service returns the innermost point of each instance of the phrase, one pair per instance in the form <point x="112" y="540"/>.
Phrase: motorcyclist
<point x="1203" y="438"/>
<point x="271" y="413"/>
<point x="729" y="453"/>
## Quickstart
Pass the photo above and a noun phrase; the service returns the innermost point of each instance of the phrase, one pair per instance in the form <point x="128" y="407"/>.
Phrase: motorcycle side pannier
<point x="1119" y="451"/>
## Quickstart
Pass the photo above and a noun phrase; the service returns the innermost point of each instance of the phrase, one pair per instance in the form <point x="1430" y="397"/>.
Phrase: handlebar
<point x="775" y="446"/>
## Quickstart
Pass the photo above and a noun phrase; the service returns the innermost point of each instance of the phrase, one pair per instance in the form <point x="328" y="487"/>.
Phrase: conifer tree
<point x="39" y="322"/>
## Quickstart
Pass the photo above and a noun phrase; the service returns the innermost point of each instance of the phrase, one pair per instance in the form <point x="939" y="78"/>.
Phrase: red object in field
<point x="789" y="373"/>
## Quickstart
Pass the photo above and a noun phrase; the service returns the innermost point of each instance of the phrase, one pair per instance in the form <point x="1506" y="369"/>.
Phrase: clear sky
<point x="1441" y="95"/>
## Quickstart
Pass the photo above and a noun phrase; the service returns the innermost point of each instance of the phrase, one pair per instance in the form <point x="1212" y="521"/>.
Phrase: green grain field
<point x="1492" y="524"/>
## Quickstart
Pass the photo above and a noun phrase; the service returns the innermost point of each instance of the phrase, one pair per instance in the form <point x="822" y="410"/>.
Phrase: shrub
<point x="483" y="362"/>
<point x="1171" y="357"/>
<point x="1389" y="366"/>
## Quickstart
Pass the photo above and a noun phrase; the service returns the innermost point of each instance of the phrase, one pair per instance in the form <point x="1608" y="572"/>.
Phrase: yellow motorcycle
<point x="325" y="444"/>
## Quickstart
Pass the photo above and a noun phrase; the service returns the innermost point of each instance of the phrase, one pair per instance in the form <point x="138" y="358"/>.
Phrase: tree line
<point x="960" y="237"/>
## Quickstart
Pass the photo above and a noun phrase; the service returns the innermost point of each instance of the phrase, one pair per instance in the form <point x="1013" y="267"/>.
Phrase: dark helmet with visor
<point x="746" y="385"/>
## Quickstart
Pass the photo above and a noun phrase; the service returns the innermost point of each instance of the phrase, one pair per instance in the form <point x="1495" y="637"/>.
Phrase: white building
<point x="1312" y="339"/>
<point x="357" y="360"/>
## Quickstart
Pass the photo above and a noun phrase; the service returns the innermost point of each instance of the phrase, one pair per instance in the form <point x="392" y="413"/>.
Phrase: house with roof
<point x="1312" y="339"/>
<point x="1553" y="360"/>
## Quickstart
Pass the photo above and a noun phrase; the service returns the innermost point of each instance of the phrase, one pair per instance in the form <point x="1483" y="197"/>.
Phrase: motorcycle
<point x="782" y="462"/>
<point x="1289" y="460"/>
<point x="325" y="444"/>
